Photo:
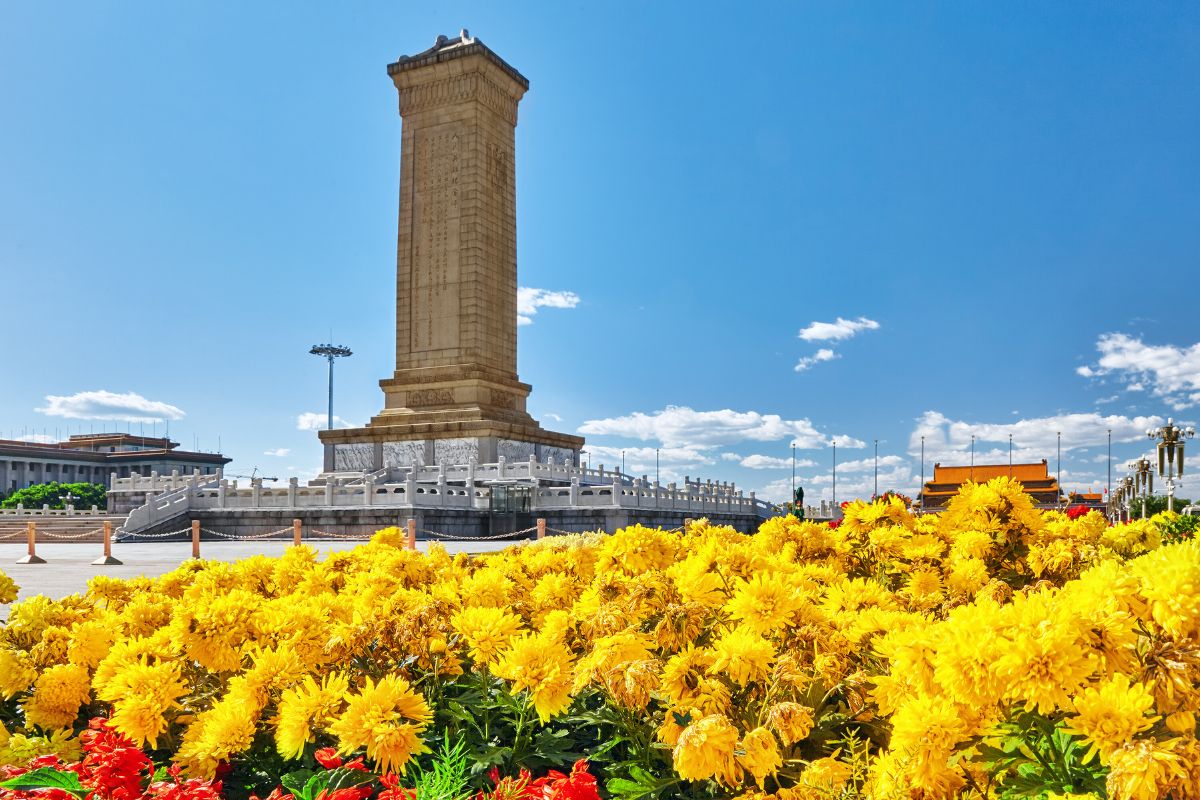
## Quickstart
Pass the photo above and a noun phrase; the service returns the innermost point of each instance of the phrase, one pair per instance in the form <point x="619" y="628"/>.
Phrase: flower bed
<point x="992" y="650"/>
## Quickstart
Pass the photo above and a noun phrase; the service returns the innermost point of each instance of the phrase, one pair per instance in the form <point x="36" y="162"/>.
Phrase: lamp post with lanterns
<point x="1170" y="439"/>
<point x="1143" y="481"/>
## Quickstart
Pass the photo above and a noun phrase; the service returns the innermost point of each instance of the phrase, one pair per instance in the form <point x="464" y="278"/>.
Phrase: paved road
<point x="68" y="567"/>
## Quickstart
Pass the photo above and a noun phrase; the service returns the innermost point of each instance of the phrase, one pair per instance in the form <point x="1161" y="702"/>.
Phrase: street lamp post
<point x="1170" y="454"/>
<point x="1143" y="480"/>
<point x="793" y="475"/>
<point x="1010" y="455"/>
<point x="835" y="478"/>
<point x="972" y="457"/>
<point x="656" y="476"/>
<point x="876" y="496"/>
<point x="330" y="352"/>
<point x="1058" y="466"/>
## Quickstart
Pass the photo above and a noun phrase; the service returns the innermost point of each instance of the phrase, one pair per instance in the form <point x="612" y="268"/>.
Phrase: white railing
<point x="46" y="511"/>
<point x="467" y="487"/>
<point x="163" y="483"/>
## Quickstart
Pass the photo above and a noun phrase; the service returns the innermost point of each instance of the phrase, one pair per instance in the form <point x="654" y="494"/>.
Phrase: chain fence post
<point x="107" y="559"/>
<point x="31" y="540"/>
<point x="412" y="534"/>
<point x="687" y="523"/>
<point x="297" y="528"/>
<point x="541" y="528"/>
<point x="195" y="538"/>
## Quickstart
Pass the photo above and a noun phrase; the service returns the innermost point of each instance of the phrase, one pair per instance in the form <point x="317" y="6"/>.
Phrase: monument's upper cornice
<point x="447" y="49"/>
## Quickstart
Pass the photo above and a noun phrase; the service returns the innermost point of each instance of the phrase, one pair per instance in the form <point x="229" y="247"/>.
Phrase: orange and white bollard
<point x="412" y="534"/>
<point x="107" y="559"/>
<point x="31" y="540"/>
<point x="297" y="531"/>
<point x="541" y="528"/>
<point x="195" y="538"/>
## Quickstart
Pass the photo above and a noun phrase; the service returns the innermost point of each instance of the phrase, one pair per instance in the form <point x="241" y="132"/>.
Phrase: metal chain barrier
<point x="72" y="536"/>
<point x="362" y="537"/>
<point x="121" y="535"/>
<point x="247" y="537"/>
<point x="437" y="535"/>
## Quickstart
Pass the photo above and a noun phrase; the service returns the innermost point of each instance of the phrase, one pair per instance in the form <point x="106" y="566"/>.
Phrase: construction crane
<point x="253" y="474"/>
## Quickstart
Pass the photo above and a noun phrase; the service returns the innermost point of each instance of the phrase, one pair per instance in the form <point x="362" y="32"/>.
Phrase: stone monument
<point x="455" y="395"/>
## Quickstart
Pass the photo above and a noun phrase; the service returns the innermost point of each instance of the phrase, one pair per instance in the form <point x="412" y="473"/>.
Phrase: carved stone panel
<point x="561" y="455"/>
<point x="455" y="452"/>
<point x="430" y="397"/>
<point x="353" y="457"/>
<point x="403" y="454"/>
<point x="436" y="272"/>
<point x="514" y="451"/>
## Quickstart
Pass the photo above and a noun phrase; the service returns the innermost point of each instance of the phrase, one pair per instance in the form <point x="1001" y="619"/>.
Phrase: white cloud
<point x="312" y="421"/>
<point x="836" y="331"/>
<point x="1171" y="372"/>
<point x="757" y="461"/>
<point x="554" y="417"/>
<point x="680" y="426"/>
<point x="1033" y="439"/>
<point x="807" y="362"/>
<point x="104" y="405"/>
<point x="529" y="300"/>
<point x="278" y="452"/>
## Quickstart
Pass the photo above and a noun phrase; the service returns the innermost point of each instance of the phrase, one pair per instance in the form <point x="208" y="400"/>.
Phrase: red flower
<point x="834" y="523"/>
<point x="328" y="758"/>
<point x="1075" y="512"/>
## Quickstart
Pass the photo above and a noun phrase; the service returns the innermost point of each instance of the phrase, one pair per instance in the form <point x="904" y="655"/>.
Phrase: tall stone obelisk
<point x="455" y="394"/>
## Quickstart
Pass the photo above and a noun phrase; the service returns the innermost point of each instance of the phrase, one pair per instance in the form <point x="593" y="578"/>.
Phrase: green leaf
<point x="343" y="778"/>
<point x="294" y="781"/>
<point x="48" y="778"/>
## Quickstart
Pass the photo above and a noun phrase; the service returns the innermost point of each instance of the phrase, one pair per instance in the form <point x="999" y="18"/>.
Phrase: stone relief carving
<point x="455" y="451"/>
<point x="561" y="455"/>
<point x="502" y="400"/>
<point x="431" y="397"/>
<point x="514" y="451"/>
<point x="403" y="454"/>
<point x="353" y="457"/>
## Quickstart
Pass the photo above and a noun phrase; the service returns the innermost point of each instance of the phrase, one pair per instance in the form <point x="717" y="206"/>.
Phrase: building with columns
<point x="96" y="458"/>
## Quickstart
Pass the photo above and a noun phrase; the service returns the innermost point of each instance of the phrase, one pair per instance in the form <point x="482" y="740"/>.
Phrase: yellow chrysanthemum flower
<point x="305" y="708"/>
<point x="760" y="754"/>
<point x="58" y="694"/>
<point x="17" y="672"/>
<point x="142" y="695"/>
<point x="541" y="666"/>
<point x="487" y="631"/>
<point x="1110" y="714"/>
<point x="386" y="718"/>
<point x="706" y="749"/>
<point x="8" y="589"/>
<point x="792" y="722"/>
<point x="743" y="656"/>
<point x="764" y="603"/>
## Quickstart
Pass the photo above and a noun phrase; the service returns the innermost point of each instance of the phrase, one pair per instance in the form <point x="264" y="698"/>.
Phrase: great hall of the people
<point x="97" y="458"/>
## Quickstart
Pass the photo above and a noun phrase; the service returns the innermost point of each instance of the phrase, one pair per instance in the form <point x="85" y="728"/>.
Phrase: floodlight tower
<point x="1170" y="439"/>
<point x="330" y="352"/>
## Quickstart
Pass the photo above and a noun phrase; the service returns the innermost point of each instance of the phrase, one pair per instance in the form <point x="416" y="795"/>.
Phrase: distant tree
<point x="84" y="495"/>
<point x="1156" y="504"/>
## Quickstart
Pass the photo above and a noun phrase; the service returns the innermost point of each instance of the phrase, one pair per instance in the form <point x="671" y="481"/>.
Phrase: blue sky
<point x="991" y="209"/>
